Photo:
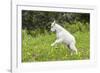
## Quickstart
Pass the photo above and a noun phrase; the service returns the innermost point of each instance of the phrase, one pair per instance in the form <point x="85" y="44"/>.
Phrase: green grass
<point x="38" y="48"/>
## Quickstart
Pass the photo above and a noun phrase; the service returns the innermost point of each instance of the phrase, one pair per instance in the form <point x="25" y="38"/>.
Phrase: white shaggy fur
<point x="63" y="36"/>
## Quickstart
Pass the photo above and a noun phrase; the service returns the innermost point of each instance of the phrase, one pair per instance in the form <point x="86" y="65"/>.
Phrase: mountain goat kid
<point x="63" y="36"/>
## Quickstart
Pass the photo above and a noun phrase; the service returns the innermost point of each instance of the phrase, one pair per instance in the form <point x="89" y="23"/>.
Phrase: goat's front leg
<point x="57" y="41"/>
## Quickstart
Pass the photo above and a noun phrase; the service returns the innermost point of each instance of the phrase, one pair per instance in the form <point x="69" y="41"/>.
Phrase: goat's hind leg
<point x="73" y="48"/>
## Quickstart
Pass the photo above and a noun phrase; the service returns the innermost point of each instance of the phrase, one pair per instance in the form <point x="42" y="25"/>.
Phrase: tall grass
<point x="37" y="47"/>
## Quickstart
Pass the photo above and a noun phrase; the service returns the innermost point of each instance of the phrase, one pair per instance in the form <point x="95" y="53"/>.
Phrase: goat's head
<point x="53" y="26"/>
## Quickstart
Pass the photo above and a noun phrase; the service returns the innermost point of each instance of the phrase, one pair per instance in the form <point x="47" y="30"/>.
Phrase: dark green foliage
<point x="41" y="20"/>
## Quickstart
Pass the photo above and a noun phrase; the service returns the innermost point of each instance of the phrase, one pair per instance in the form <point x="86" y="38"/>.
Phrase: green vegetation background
<point x="37" y="37"/>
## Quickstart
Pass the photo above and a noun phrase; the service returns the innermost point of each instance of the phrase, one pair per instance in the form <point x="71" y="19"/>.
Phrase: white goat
<point x="63" y="36"/>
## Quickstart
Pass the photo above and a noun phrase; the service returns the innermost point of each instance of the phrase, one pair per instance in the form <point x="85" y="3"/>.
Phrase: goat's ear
<point x="54" y="21"/>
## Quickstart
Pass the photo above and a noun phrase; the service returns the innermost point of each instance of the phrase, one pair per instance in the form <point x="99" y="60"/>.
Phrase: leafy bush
<point x="41" y="20"/>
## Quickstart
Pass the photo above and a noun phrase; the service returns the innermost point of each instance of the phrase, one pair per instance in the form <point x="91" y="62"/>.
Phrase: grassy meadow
<point x="37" y="37"/>
<point x="38" y="47"/>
